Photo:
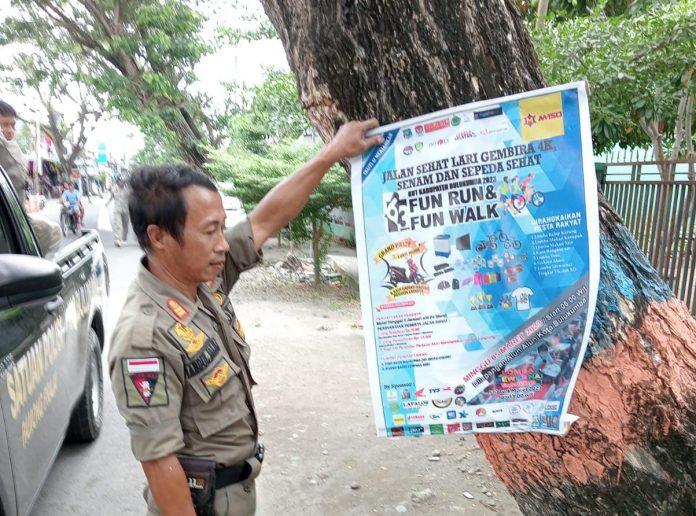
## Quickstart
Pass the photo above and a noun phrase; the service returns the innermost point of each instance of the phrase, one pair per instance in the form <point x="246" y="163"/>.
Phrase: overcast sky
<point x="244" y="64"/>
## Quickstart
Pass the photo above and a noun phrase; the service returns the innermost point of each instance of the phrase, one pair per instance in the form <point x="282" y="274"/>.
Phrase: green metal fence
<point x="661" y="214"/>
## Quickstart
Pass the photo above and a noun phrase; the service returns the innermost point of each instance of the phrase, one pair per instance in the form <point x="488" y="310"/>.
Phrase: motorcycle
<point x="69" y="219"/>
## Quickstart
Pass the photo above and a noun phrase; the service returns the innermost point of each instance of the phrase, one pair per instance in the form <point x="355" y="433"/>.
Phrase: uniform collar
<point x="167" y="297"/>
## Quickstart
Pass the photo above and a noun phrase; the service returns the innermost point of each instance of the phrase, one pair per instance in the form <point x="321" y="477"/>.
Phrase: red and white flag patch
<point x="145" y="373"/>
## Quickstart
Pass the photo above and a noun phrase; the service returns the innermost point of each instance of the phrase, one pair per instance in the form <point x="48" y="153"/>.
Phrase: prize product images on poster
<point x="477" y="235"/>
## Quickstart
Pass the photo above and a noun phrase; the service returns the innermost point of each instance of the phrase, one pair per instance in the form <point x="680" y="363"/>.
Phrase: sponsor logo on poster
<point x="552" y="406"/>
<point x="488" y="113"/>
<point x="443" y="403"/>
<point x="541" y="117"/>
<point x="394" y="213"/>
<point x="409" y="405"/>
<point x="466" y="134"/>
<point x="437" y="430"/>
<point x="437" y="125"/>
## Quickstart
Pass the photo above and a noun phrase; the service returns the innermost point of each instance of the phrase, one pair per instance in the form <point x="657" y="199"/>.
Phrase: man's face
<point x="7" y="126"/>
<point x="200" y="256"/>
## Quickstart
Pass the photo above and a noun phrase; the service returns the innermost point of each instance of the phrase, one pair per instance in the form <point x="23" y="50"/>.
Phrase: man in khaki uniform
<point x="179" y="362"/>
<point x="48" y="233"/>
<point x="119" y="194"/>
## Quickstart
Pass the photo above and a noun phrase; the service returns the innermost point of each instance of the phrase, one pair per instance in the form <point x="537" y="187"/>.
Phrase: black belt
<point x="231" y="475"/>
<point x="228" y="475"/>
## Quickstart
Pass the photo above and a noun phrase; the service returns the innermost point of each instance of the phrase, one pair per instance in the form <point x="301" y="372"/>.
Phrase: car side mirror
<point x="27" y="279"/>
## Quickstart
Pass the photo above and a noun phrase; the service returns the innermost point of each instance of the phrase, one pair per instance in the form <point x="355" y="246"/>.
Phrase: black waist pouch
<point x="200" y="475"/>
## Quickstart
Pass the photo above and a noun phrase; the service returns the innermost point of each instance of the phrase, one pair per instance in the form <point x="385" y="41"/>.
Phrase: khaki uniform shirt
<point x="120" y="196"/>
<point x="12" y="160"/>
<point x="179" y="369"/>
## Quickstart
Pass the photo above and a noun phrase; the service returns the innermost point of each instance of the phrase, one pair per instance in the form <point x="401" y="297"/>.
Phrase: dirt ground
<point x="313" y="402"/>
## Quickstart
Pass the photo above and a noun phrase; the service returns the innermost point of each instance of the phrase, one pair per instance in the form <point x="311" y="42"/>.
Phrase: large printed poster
<point x="478" y="249"/>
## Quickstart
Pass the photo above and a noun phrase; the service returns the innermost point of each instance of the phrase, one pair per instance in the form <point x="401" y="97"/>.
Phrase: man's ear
<point x="157" y="237"/>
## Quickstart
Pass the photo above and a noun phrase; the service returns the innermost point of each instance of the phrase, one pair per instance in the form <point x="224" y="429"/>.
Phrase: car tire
<point x="87" y="417"/>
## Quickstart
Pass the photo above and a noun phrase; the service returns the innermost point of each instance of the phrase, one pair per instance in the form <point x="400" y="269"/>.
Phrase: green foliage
<point x="638" y="67"/>
<point x="564" y="9"/>
<point x="139" y="55"/>
<point x="154" y="152"/>
<point x="265" y="149"/>
<point x="276" y="106"/>
<point x="254" y="175"/>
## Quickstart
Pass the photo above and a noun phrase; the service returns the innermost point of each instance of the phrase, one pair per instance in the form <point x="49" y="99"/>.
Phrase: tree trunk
<point x="317" y="234"/>
<point x="633" y="450"/>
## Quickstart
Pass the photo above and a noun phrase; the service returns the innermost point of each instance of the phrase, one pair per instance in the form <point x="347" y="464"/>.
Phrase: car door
<point x="32" y="339"/>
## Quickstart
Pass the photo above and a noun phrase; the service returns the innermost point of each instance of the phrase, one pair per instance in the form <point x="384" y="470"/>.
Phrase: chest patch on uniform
<point x="179" y="311"/>
<point x="218" y="376"/>
<point x="148" y="383"/>
<point x="189" y="338"/>
<point x="203" y="359"/>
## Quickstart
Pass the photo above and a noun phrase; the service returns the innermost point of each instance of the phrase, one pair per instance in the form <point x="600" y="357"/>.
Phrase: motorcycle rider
<point x="74" y="199"/>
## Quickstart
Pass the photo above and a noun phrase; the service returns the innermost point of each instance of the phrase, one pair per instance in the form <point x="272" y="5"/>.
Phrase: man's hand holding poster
<point x="478" y="247"/>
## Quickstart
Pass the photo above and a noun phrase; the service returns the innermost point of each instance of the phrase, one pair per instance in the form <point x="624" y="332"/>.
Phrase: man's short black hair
<point x="543" y="347"/>
<point x="156" y="198"/>
<point x="7" y="110"/>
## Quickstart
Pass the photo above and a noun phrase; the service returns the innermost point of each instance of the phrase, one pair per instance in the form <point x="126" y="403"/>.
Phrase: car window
<point x="5" y="244"/>
<point x="17" y="213"/>
<point x="8" y="244"/>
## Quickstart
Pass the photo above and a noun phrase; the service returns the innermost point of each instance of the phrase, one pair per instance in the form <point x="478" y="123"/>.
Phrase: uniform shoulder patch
<point x="177" y="309"/>
<point x="145" y="382"/>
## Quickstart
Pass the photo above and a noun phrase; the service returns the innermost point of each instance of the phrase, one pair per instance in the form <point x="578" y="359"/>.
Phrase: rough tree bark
<point x="634" y="449"/>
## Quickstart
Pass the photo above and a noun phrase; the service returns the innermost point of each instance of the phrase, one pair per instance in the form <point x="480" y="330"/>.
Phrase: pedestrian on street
<point x="179" y="361"/>
<point x="119" y="194"/>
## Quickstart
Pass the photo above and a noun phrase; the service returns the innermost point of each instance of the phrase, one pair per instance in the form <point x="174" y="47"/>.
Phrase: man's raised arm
<point x="287" y="198"/>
